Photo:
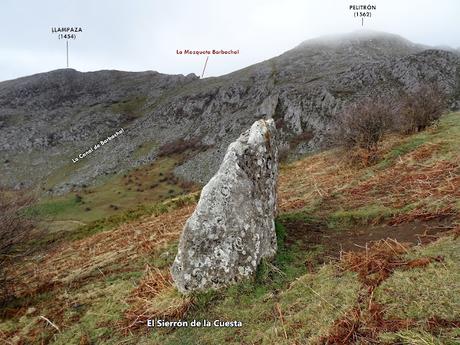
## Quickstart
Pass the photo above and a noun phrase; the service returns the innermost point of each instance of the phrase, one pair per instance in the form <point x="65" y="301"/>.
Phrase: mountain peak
<point x="303" y="89"/>
<point x="358" y="46"/>
<point x="355" y="36"/>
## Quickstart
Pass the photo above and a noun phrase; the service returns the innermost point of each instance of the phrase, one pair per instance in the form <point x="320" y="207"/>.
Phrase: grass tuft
<point x="427" y="292"/>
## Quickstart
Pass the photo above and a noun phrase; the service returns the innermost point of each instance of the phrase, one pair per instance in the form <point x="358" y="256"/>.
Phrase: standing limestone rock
<point x="233" y="226"/>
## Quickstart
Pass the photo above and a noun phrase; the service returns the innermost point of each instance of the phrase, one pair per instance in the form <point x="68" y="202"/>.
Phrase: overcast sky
<point x="138" y="35"/>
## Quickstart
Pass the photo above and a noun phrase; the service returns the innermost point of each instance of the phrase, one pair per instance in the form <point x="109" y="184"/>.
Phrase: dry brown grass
<point x="79" y="273"/>
<point x="366" y="320"/>
<point x="304" y="182"/>
<point x="154" y="298"/>
<point x="72" y="264"/>
<point x="409" y="183"/>
<point x="323" y="183"/>
<point x="379" y="260"/>
<point x="15" y="229"/>
<point x="310" y="179"/>
<point x="414" y="178"/>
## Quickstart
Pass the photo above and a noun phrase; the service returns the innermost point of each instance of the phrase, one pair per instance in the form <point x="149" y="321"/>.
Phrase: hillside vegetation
<point x="51" y="118"/>
<point x="365" y="255"/>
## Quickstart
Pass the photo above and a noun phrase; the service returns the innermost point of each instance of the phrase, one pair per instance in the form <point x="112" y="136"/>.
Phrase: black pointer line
<point x="204" y="68"/>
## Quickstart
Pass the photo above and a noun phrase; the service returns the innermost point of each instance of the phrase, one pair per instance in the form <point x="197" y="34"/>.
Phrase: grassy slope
<point x="425" y="294"/>
<point x="118" y="199"/>
<point x="149" y="184"/>
<point x="415" y="179"/>
<point x="95" y="287"/>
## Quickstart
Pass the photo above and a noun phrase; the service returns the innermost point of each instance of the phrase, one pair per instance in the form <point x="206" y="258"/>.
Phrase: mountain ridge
<point x="46" y="121"/>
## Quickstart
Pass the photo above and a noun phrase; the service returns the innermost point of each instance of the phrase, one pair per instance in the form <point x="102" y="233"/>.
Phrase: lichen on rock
<point x="232" y="227"/>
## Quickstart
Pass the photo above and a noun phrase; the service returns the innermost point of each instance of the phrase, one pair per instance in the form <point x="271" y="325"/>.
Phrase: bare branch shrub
<point x="179" y="146"/>
<point x="15" y="229"/>
<point x="283" y="152"/>
<point x="361" y="127"/>
<point x="420" y="109"/>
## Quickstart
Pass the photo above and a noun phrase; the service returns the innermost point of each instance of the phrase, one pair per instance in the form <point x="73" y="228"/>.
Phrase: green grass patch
<point x="421" y="293"/>
<point x="108" y="223"/>
<point x="97" y="322"/>
<point x="62" y="173"/>
<point x="446" y="133"/>
<point x="309" y="303"/>
<point x="131" y="107"/>
<point x="309" y="306"/>
<point x="409" y="145"/>
<point x="131" y="215"/>
<point x="421" y="337"/>
<point x="304" y="216"/>
<point x="145" y="148"/>
<point x="116" y="220"/>
<point x="85" y="315"/>
<point x="359" y="216"/>
<point x="119" y="199"/>
<point x="164" y="258"/>
<point x="286" y="266"/>
<point x="52" y="208"/>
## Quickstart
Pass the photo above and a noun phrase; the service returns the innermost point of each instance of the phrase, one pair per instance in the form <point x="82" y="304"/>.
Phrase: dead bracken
<point x="366" y="320"/>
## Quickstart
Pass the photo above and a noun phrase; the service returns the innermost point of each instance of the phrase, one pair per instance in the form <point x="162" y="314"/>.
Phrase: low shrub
<point x="361" y="126"/>
<point x="420" y="109"/>
<point x="15" y="229"/>
<point x="179" y="146"/>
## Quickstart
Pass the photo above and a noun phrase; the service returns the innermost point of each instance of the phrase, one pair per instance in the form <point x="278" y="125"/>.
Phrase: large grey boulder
<point x="232" y="227"/>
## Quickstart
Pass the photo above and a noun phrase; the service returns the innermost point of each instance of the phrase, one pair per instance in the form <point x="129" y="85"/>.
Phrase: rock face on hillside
<point x="232" y="228"/>
<point x="47" y="119"/>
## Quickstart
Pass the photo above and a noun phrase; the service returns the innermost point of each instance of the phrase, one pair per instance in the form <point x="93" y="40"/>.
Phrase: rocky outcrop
<point x="47" y="119"/>
<point x="232" y="227"/>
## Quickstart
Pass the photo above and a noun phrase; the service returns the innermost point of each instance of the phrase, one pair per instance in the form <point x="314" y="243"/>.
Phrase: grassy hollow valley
<point x="366" y="255"/>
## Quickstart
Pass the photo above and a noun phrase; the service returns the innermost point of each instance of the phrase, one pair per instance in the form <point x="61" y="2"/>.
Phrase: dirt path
<point x="308" y="235"/>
